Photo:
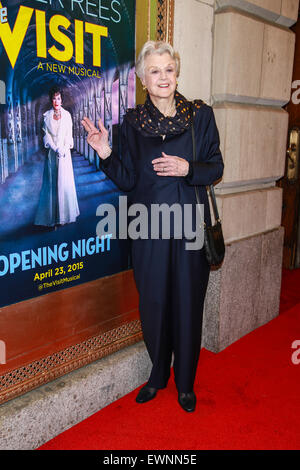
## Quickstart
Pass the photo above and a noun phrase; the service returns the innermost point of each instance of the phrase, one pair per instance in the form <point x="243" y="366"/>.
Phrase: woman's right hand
<point x="97" y="138"/>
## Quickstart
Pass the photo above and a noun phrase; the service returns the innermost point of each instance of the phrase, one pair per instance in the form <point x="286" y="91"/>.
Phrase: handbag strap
<point x="211" y="186"/>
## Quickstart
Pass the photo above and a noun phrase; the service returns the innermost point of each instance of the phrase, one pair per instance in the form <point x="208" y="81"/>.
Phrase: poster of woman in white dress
<point x="58" y="204"/>
<point x="70" y="62"/>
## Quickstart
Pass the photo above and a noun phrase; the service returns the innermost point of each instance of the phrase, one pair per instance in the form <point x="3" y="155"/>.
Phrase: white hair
<point x="155" y="47"/>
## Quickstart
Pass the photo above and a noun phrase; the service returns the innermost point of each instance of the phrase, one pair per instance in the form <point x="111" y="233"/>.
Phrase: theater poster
<point x="60" y="60"/>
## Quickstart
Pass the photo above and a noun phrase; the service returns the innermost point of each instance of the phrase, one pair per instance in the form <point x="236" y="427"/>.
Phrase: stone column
<point x="86" y="113"/>
<point x="30" y="130"/>
<point x="34" y="127"/>
<point x="109" y="77"/>
<point x="82" y="131"/>
<point x="77" y="129"/>
<point x="98" y="111"/>
<point x="123" y="90"/>
<point x="18" y="132"/>
<point x="12" y="152"/>
<point x="241" y="53"/>
<point x="92" y="116"/>
<point x="3" y="158"/>
<point x="24" y="128"/>
<point x="2" y="176"/>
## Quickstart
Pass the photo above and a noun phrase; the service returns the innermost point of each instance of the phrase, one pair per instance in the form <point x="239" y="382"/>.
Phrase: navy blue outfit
<point x="171" y="280"/>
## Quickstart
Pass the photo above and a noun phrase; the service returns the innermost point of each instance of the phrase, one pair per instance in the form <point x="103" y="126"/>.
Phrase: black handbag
<point x="213" y="236"/>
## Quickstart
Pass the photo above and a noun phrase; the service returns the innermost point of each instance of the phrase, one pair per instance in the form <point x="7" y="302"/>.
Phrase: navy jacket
<point x="133" y="171"/>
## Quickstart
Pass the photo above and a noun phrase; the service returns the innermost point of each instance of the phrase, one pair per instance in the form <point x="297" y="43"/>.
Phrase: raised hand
<point x="97" y="138"/>
<point x="170" y="165"/>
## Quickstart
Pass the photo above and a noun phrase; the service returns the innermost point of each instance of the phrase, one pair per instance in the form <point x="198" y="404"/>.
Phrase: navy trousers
<point x="172" y="284"/>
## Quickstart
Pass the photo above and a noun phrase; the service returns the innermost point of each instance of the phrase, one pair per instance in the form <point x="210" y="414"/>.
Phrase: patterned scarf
<point x="147" y="119"/>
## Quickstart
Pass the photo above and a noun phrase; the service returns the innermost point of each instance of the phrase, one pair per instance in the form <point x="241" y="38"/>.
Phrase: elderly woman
<point x="157" y="166"/>
<point x="58" y="203"/>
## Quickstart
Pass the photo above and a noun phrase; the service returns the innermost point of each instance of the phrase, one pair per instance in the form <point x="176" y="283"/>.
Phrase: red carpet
<point x="248" y="398"/>
<point x="290" y="289"/>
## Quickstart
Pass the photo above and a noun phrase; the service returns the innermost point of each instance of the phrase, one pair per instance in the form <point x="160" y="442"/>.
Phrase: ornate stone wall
<point x="237" y="56"/>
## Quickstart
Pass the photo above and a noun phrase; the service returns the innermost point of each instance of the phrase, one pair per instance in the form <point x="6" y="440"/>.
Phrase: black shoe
<point x="187" y="401"/>
<point x="145" y="394"/>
